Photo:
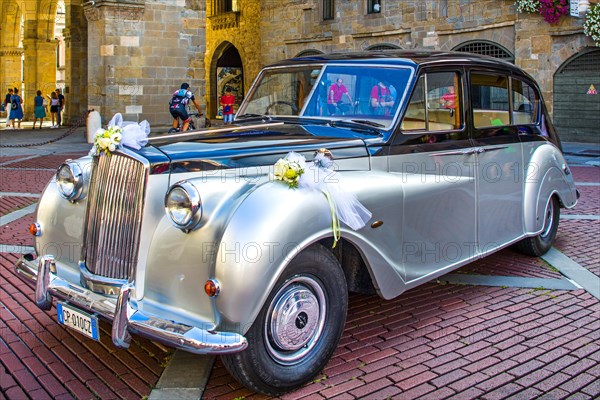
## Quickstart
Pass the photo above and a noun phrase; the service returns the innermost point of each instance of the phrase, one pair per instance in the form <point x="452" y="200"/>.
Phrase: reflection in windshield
<point x="350" y="93"/>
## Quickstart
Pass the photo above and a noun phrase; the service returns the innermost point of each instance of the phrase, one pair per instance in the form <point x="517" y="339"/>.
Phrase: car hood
<point x="250" y="146"/>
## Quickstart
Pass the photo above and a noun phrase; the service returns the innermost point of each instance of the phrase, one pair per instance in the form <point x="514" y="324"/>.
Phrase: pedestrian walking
<point x="7" y="107"/>
<point x="61" y="106"/>
<point x="16" y="109"/>
<point x="54" y="109"/>
<point x="39" y="111"/>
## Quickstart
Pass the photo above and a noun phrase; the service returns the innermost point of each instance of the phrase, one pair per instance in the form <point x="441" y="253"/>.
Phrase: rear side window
<point x="490" y="101"/>
<point x="435" y="104"/>
<point x="525" y="103"/>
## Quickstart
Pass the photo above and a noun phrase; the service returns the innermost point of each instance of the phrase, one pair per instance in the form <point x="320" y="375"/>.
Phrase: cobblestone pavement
<point x="437" y="341"/>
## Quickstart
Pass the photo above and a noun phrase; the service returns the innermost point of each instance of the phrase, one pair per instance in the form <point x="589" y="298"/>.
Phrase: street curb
<point x="573" y="271"/>
<point x="185" y="377"/>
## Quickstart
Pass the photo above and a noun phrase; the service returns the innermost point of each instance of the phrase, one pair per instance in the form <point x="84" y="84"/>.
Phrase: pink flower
<point x="552" y="10"/>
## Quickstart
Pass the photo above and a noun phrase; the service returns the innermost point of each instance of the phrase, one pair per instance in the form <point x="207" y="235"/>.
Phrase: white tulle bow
<point x="135" y="135"/>
<point x="320" y="175"/>
<point x="120" y="133"/>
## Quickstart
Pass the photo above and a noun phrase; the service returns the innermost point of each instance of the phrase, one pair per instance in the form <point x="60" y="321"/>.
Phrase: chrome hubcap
<point x="549" y="220"/>
<point x="296" y="319"/>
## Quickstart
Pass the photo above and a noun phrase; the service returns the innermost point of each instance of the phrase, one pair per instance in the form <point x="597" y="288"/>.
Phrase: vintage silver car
<point x="192" y="241"/>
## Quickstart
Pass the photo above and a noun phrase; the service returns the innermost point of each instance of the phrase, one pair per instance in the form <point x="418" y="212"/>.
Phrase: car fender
<point x="268" y="229"/>
<point x="547" y="174"/>
<point x="275" y="223"/>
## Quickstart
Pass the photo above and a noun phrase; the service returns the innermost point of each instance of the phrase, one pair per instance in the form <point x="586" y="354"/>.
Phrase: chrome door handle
<point x="477" y="150"/>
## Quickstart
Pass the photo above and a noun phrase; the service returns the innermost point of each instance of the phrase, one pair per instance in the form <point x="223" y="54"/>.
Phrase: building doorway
<point x="577" y="97"/>
<point x="227" y="73"/>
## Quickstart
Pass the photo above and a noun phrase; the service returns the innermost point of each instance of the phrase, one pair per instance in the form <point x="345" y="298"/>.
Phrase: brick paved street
<point x="435" y="342"/>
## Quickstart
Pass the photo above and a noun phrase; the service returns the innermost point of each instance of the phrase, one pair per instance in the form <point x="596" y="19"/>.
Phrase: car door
<point x="499" y="162"/>
<point x="432" y="155"/>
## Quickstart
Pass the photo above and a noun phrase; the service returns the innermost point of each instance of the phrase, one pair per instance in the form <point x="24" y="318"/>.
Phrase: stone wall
<point x="539" y="48"/>
<point x="139" y="54"/>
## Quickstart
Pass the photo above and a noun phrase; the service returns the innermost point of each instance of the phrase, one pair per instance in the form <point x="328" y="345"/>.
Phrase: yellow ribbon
<point x="335" y="221"/>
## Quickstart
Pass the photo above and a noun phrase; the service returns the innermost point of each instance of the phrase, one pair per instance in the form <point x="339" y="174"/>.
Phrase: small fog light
<point x="212" y="288"/>
<point x="35" y="229"/>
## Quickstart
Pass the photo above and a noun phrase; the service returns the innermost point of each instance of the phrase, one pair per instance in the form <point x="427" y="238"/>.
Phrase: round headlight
<point x="69" y="178"/>
<point x="183" y="205"/>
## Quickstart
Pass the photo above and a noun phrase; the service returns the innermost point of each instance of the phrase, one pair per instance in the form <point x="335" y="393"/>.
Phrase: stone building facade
<point x="299" y="27"/>
<point x="139" y="52"/>
<point x="123" y="56"/>
<point x="128" y="56"/>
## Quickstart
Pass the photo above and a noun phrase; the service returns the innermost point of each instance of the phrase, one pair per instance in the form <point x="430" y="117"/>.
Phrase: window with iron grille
<point x="383" y="47"/>
<point x="586" y="62"/>
<point x="374" y="6"/>
<point x="328" y="9"/>
<point x="308" y="52"/>
<point x="487" y="49"/>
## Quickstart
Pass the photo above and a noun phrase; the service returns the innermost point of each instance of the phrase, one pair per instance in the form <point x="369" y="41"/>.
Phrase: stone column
<point x="76" y="52"/>
<point x="114" y="69"/>
<point x="39" y="71"/>
<point x="10" y="68"/>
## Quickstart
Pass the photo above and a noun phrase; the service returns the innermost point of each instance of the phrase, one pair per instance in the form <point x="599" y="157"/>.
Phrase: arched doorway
<point x="486" y="48"/>
<point x="576" y="107"/>
<point x="226" y="72"/>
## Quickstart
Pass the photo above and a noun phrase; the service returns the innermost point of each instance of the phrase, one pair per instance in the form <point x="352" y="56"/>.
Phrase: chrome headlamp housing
<point x="69" y="179"/>
<point x="183" y="205"/>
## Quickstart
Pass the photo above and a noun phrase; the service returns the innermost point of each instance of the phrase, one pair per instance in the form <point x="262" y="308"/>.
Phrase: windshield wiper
<point x="254" y="116"/>
<point x="368" y="122"/>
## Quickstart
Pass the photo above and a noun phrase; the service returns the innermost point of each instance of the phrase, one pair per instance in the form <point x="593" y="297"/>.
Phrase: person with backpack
<point x="381" y="99"/>
<point x="16" y="108"/>
<point x="178" y="106"/>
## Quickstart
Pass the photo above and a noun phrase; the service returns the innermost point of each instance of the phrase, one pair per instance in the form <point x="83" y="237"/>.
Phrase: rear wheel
<point x="540" y="244"/>
<point x="298" y="328"/>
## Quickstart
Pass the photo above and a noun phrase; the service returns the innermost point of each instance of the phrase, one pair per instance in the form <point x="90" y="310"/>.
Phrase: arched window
<point x="308" y="52"/>
<point x="383" y="47"/>
<point x="586" y="61"/>
<point x="486" y="48"/>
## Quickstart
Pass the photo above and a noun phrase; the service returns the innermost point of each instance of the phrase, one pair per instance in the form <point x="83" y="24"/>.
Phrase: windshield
<point x="369" y="95"/>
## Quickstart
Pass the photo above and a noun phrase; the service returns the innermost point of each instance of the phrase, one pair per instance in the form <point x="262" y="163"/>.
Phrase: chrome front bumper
<point x="123" y="312"/>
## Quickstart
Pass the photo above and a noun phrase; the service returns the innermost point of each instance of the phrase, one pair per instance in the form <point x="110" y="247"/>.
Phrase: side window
<point x="525" y="103"/>
<point x="414" y="119"/>
<point x="435" y="103"/>
<point x="489" y="97"/>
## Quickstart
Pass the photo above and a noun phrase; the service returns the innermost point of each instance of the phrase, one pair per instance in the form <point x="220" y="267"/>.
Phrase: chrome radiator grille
<point x="114" y="216"/>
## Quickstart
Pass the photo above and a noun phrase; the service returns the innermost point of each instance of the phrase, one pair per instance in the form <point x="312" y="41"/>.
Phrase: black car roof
<point x="403" y="57"/>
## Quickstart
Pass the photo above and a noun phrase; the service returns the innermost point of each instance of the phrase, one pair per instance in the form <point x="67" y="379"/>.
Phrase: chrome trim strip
<point x="126" y="317"/>
<point x="233" y="128"/>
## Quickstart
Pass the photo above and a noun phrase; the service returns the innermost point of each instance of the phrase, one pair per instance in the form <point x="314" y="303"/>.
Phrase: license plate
<point x="76" y="319"/>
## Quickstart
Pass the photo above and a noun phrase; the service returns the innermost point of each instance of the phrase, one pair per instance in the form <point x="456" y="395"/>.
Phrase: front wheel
<point x="298" y="328"/>
<point x="540" y="244"/>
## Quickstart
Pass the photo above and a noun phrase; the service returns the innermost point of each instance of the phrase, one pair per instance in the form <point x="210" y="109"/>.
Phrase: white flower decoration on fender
<point x="120" y="133"/>
<point x="320" y="175"/>
<point x="290" y="169"/>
